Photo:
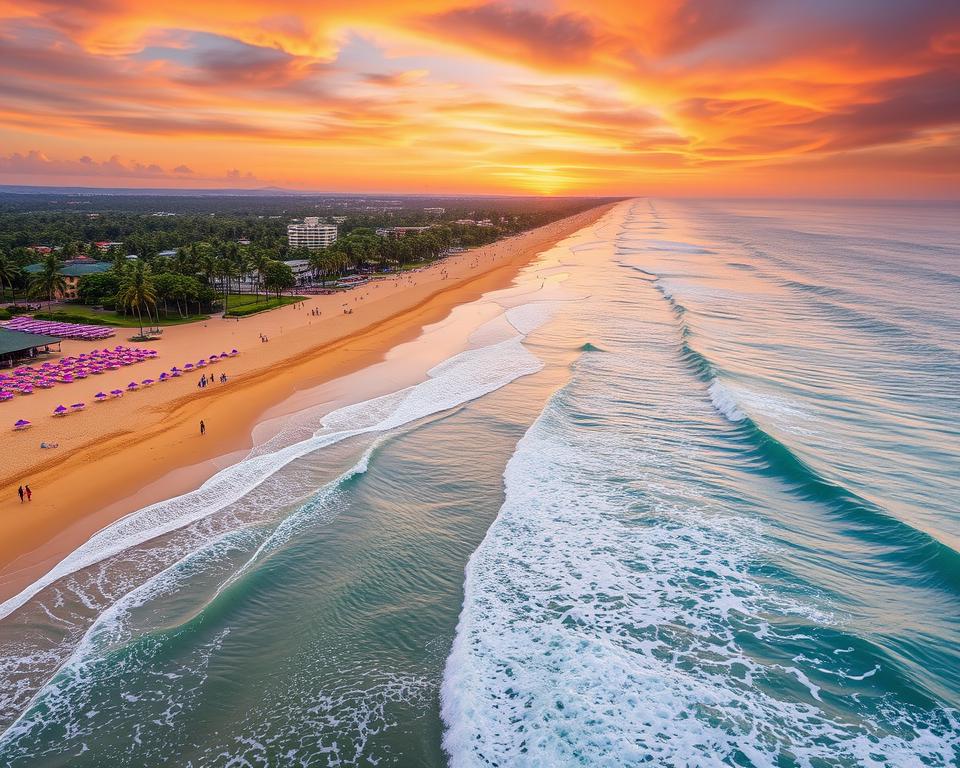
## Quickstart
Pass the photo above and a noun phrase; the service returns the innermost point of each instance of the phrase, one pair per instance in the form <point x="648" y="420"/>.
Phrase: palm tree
<point x="137" y="290"/>
<point x="9" y="271"/>
<point x="182" y="262"/>
<point x="48" y="282"/>
<point x="319" y="261"/>
<point x="258" y="262"/>
<point x="226" y="269"/>
<point x="119" y="263"/>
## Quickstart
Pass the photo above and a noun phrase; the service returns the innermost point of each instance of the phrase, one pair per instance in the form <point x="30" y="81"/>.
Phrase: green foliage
<point x="137" y="291"/>
<point x="48" y="282"/>
<point x="278" y="277"/>
<point x="98" y="287"/>
<point x="9" y="272"/>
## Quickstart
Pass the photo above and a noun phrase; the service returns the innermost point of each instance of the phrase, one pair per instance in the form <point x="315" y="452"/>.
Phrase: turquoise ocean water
<point x="689" y="495"/>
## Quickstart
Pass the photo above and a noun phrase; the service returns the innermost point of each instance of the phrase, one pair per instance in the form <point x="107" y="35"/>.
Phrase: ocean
<point x="686" y="494"/>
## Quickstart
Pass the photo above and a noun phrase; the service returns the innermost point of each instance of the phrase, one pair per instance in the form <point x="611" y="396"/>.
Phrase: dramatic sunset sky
<point x="819" y="97"/>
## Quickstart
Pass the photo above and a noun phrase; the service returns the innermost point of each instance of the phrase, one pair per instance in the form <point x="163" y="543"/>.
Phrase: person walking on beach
<point x="203" y="427"/>
<point x="20" y="491"/>
<point x="29" y="493"/>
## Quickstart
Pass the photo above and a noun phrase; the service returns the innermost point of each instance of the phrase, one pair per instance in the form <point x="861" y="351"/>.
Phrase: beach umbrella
<point x="21" y="424"/>
<point x="147" y="382"/>
<point x="233" y="352"/>
<point x="116" y="392"/>
<point x="59" y="410"/>
<point x="133" y="385"/>
<point x="188" y="366"/>
<point x="163" y="376"/>
<point x="100" y="396"/>
<point x="78" y="406"/>
<point x="214" y="358"/>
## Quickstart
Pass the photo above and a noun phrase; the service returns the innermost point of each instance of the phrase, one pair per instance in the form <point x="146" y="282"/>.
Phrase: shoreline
<point x="150" y="450"/>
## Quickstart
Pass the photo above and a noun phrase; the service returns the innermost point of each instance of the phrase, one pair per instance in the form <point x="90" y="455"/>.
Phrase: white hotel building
<point x="311" y="234"/>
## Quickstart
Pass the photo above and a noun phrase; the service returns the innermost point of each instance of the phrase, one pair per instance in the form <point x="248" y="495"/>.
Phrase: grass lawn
<point x="79" y="313"/>
<point x="243" y="304"/>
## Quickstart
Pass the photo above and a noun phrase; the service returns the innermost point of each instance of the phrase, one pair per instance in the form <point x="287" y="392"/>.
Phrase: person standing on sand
<point x="203" y="427"/>
<point x="29" y="493"/>
<point x="20" y="491"/>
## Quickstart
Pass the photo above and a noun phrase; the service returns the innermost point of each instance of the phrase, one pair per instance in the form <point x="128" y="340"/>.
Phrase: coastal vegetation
<point x="206" y="254"/>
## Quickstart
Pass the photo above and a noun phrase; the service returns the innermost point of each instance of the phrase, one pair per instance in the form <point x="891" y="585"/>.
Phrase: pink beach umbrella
<point x="60" y="410"/>
<point x="21" y="424"/>
<point x="5" y="395"/>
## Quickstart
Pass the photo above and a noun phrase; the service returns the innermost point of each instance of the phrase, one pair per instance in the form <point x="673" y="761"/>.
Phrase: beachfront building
<point x="72" y="271"/>
<point x="302" y="271"/>
<point x="400" y="231"/>
<point x="16" y="346"/>
<point x="310" y="233"/>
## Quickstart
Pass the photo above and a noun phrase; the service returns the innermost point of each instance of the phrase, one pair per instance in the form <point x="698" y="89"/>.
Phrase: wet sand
<point x="120" y="455"/>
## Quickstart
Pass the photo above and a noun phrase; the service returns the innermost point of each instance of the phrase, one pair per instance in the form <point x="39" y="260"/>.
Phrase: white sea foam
<point x="607" y="625"/>
<point x="462" y="378"/>
<point x="724" y="402"/>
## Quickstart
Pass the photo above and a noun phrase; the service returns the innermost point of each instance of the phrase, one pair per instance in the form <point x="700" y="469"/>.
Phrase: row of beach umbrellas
<point x="67" y="370"/>
<point x="100" y="397"/>
<point x="61" y="330"/>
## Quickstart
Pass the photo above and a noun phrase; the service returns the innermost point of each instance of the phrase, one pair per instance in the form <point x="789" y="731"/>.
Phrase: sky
<point x="610" y="97"/>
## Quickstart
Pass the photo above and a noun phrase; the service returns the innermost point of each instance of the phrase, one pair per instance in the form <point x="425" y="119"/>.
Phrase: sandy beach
<point x="122" y="454"/>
